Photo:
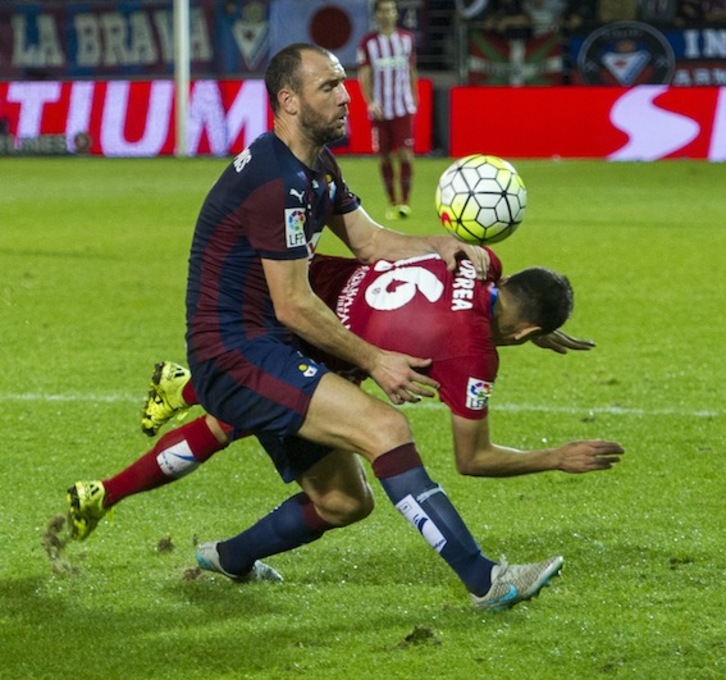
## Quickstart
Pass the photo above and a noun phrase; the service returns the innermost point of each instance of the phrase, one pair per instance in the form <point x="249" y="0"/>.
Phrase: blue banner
<point x="55" y="39"/>
<point x="627" y="53"/>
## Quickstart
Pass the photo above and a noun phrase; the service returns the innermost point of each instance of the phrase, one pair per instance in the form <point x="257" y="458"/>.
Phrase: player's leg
<point x="338" y="489"/>
<point x="406" y="180"/>
<point x="403" y="142"/>
<point x="322" y="407"/>
<point x="382" y="146"/>
<point x="346" y="417"/>
<point x="175" y="455"/>
<point x="334" y="493"/>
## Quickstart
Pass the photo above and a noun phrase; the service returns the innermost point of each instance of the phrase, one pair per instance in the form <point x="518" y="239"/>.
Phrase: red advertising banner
<point x="643" y="123"/>
<point x="136" y="118"/>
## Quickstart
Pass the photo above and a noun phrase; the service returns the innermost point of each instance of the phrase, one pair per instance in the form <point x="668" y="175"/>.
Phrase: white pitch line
<point x="70" y="396"/>
<point x="434" y="405"/>
<point x="579" y="410"/>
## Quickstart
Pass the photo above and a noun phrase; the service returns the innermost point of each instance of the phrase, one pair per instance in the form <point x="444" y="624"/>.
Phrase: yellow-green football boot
<point x="165" y="396"/>
<point x="85" y="508"/>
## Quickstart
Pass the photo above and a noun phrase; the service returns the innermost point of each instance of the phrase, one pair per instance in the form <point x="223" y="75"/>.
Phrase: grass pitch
<point x="92" y="271"/>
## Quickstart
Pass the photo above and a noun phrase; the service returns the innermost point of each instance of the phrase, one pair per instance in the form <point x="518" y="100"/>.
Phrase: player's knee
<point x="341" y="509"/>
<point x="356" y="508"/>
<point x="390" y="429"/>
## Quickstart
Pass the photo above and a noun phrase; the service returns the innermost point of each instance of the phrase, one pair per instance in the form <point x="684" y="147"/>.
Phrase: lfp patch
<point x="295" y="227"/>
<point x="478" y="393"/>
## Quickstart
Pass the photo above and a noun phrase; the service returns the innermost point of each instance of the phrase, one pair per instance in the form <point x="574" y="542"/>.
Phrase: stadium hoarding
<point x="67" y="39"/>
<point x="621" y="53"/>
<point x="627" y="53"/>
<point x="641" y="123"/>
<point x="494" y="60"/>
<point x="136" y="118"/>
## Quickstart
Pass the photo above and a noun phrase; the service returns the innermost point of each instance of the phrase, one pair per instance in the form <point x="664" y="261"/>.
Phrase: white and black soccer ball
<point x="481" y="199"/>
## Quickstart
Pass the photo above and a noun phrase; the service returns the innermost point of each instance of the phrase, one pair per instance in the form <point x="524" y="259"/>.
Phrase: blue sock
<point x="427" y="507"/>
<point x="292" y="524"/>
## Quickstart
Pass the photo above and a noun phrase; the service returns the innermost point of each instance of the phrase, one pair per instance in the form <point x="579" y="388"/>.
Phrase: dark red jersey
<point x="418" y="307"/>
<point x="391" y="59"/>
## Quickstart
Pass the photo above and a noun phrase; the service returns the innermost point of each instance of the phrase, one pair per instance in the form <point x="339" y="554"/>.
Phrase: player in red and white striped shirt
<point x="388" y="79"/>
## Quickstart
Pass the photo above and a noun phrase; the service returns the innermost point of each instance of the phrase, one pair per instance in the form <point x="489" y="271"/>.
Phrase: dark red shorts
<point x="391" y="135"/>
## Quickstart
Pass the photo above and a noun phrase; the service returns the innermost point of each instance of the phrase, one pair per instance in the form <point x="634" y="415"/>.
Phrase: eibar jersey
<point x="267" y="204"/>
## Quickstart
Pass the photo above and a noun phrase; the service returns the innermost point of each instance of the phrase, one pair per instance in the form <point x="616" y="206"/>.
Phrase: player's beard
<point x="320" y="130"/>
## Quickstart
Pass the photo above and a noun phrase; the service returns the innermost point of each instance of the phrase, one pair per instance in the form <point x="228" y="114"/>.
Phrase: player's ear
<point x="287" y="100"/>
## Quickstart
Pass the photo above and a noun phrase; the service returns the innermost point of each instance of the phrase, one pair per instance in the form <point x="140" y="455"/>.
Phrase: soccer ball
<point x="481" y="199"/>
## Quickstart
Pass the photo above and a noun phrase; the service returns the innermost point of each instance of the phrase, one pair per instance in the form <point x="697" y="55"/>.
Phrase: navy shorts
<point x="292" y="456"/>
<point x="265" y="386"/>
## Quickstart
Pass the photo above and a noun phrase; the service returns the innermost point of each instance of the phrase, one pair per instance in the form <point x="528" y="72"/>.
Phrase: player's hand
<point x="397" y="376"/>
<point x="588" y="455"/>
<point x="451" y="250"/>
<point x="560" y="342"/>
<point x="375" y="111"/>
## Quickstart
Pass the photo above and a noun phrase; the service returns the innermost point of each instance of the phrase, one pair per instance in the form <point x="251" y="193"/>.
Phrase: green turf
<point x="92" y="267"/>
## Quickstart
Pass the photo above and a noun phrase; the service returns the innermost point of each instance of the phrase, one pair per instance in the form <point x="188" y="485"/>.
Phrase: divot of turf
<point x="165" y="545"/>
<point x="55" y="539"/>
<point x="420" y="635"/>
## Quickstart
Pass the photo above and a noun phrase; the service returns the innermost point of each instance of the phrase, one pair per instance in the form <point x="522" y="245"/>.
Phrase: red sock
<point x="176" y="454"/>
<point x="387" y="174"/>
<point x="406" y="175"/>
<point x="189" y="395"/>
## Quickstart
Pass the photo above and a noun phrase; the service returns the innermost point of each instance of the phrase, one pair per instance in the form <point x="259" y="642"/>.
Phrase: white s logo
<point x="654" y="132"/>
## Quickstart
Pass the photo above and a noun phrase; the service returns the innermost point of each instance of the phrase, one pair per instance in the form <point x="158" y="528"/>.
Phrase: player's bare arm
<point x="369" y="241"/>
<point x="478" y="456"/>
<point x="365" y="79"/>
<point x="306" y="315"/>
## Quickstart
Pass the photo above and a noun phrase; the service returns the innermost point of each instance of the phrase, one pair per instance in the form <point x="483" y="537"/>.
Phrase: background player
<point x="389" y="83"/>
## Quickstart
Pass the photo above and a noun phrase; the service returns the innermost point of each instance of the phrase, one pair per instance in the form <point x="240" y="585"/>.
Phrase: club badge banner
<point x="623" y="53"/>
<point x="628" y="53"/>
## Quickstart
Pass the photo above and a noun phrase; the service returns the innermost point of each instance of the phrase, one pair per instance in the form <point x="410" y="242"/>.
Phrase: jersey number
<point x="397" y="287"/>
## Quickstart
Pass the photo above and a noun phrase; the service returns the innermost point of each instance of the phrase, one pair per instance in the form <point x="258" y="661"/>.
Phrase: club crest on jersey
<point x="478" y="393"/>
<point x="294" y="227"/>
<point x="307" y="370"/>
